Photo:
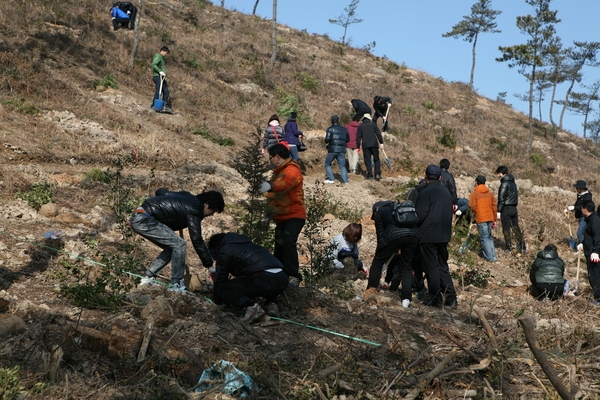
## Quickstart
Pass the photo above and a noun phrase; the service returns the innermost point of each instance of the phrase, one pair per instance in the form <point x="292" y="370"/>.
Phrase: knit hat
<point x="274" y="117"/>
<point x="292" y="116"/>
<point x="580" y="185"/>
<point x="335" y="119"/>
<point x="480" y="179"/>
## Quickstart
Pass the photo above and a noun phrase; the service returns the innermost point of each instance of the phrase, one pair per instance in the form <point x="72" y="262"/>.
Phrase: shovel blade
<point x="572" y="243"/>
<point x="389" y="164"/>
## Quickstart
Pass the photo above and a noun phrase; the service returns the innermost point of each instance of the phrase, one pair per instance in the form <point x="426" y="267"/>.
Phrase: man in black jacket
<point x="448" y="180"/>
<point x="591" y="248"/>
<point x="256" y="272"/>
<point x="508" y="199"/>
<point x="336" y="138"/>
<point x="380" y="106"/>
<point x="583" y="195"/>
<point x="370" y="136"/>
<point x="159" y="217"/>
<point x="434" y="208"/>
<point x="360" y="109"/>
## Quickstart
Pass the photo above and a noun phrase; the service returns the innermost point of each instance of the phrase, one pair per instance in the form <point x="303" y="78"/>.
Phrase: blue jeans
<point x="487" y="241"/>
<point x="174" y="247"/>
<point x="463" y="204"/>
<point x="294" y="152"/>
<point x="341" y="160"/>
<point x="581" y="229"/>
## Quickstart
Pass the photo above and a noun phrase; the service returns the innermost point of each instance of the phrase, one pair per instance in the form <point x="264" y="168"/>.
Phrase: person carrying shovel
<point x="381" y="106"/>
<point x="583" y="195"/>
<point x="159" y="77"/>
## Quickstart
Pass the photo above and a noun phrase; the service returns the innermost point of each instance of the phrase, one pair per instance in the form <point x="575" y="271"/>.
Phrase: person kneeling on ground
<point x="546" y="274"/>
<point x="346" y="249"/>
<point x="257" y="273"/>
<point x="159" y="217"/>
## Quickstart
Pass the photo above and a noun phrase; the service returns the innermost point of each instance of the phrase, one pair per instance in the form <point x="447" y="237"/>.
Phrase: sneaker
<point x="253" y="313"/>
<point x="596" y="303"/>
<point x="432" y="303"/>
<point x="377" y="177"/>
<point x="357" y="172"/>
<point x="421" y="293"/>
<point x="177" y="286"/>
<point x="148" y="280"/>
<point x="327" y="181"/>
<point x="406" y="303"/>
<point x="369" y="178"/>
<point x="272" y="310"/>
<point x="452" y="303"/>
<point x="293" y="282"/>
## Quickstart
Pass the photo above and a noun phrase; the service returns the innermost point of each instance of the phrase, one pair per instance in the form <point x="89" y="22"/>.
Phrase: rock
<point x="49" y="210"/>
<point x="10" y="325"/>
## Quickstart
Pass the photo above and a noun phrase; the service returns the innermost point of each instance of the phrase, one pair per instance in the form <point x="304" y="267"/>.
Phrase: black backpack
<point x="404" y="214"/>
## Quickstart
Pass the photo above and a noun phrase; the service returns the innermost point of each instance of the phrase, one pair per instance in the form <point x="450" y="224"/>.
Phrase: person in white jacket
<point x="346" y="246"/>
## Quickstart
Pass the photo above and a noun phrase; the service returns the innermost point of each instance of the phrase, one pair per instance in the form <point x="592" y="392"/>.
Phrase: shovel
<point x="576" y="287"/>
<point x="159" y="103"/>
<point x="387" y="160"/>
<point x="385" y="124"/>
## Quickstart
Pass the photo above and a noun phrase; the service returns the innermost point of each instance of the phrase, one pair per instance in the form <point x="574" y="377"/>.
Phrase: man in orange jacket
<point x="483" y="203"/>
<point x="285" y="194"/>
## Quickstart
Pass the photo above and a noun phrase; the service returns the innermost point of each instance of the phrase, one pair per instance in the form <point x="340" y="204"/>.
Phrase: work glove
<point x="493" y="225"/>
<point x="212" y="271"/>
<point x="454" y="208"/>
<point x="580" y="247"/>
<point x="357" y="151"/>
<point x="265" y="187"/>
<point x="458" y="213"/>
<point x="498" y="216"/>
<point x="594" y="257"/>
<point x="161" y="73"/>
<point x="381" y="146"/>
<point x="568" y="208"/>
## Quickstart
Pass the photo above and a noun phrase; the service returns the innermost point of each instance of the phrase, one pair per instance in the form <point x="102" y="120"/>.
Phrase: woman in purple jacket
<point x="293" y="135"/>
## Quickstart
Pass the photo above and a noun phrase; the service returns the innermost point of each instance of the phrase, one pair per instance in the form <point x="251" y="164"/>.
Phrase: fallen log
<point x="414" y="393"/>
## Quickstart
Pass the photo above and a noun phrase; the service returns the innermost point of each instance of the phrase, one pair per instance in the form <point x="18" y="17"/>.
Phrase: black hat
<point x="292" y="116"/>
<point x="335" y="119"/>
<point x="433" y="171"/>
<point x="580" y="185"/>
<point x="480" y="179"/>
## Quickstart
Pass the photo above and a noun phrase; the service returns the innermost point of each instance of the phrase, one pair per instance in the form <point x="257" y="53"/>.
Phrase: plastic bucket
<point x="158" y="104"/>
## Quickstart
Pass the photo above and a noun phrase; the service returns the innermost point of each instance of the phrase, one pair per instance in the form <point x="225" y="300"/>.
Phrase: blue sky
<point x="410" y="32"/>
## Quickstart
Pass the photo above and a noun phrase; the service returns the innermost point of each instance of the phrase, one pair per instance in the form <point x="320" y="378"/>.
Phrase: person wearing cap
<point x="369" y="135"/>
<point x="336" y="137"/>
<point x="583" y="195"/>
<point x="360" y="109"/>
<point x="380" y="106"/>
<point x="292" y="135"/>
<point x="434" y="208"/>
<point x="508" y="200"/>
<point x="483" y="204"/>
<point x="591" y="247"/>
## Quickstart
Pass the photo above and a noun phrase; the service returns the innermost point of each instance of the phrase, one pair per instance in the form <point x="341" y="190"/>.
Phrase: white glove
<point x="498" y="216"/>
<point x="566" y="210"/>
<point x="381" y="146"/>
<point x="571" y="208"/>
<point x="594" y="257"/>
<point x="458" y="213"/>
<point x="212" y="271"/>
<point x="161" y="73"/>
<point x="580" y="247"/>
<point x="265" y="187"/>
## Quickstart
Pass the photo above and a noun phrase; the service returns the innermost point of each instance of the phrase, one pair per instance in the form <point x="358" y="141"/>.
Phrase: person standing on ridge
<point x="591" y="248"/>
<point x="159" y="73"/>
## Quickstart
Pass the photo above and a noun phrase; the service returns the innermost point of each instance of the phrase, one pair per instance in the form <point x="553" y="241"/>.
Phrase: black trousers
<point x="286" y="237"/>
<point x="120" y="23"/>
<point x="367" y="153"/>
<point x="435" y="265"/>
<point x="551" y="290"/>
<point x="510" y="222"/>
<point x="400" y="263"/>
<point x="594" y="276"/>
<point x="243" y="291"/>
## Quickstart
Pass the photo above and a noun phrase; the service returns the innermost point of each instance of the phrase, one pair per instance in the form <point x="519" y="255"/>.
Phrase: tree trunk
<point x="530" y="141"/>
<point x="562" y="112"/>
<point x="274" y="36"/>
<point x="473" y="63"/>
<point x="254" y="9"/>
<point x="136" y="35"/>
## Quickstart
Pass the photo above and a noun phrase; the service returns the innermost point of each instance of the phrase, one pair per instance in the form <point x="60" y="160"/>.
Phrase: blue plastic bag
<point x="234" y="381"/>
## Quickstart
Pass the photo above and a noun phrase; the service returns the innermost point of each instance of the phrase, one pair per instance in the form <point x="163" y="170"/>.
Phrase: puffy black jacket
<point x="548" y="267"/>
<point x="591" y="238"/>
<point x="180" y="210"/>
<point x="581" y="198"/>
<point x="336" y="138"/>
<point x="434" y="208"/>
<point x="381" y="107"/>
<point x="385" y="228"/>
<point x="449" y="183"/>
<point x="508" y="194"/>
<point x="238" y="256"/>
<point x="368" y="134"/>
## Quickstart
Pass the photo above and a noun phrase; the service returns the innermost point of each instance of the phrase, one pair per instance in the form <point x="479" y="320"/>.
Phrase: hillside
<point x="59" y="128"/>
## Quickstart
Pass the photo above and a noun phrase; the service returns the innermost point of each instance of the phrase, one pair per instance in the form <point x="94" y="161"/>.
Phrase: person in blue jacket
<point x="292" y="135"/>
<point x="120" y="19"/>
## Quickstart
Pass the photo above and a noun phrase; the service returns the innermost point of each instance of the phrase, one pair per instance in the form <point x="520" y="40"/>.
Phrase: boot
<point x="519" y="239"/>
<point x="507" y="240"/>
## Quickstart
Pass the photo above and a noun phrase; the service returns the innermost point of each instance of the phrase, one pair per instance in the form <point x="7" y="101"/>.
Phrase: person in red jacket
<point x="352" y="151"/>
<point x="483" y="203"/>
<point x="285" y="193"/>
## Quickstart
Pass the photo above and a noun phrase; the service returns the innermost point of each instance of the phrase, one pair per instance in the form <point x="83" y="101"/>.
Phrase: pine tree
<point x="347" y="19"/>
